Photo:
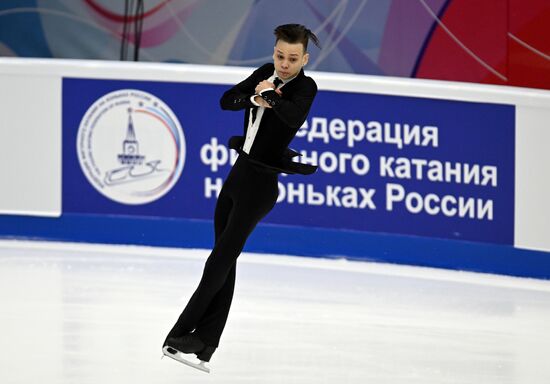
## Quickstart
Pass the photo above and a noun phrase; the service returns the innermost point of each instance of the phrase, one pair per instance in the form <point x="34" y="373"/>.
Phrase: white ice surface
<point x="78" y="313"/>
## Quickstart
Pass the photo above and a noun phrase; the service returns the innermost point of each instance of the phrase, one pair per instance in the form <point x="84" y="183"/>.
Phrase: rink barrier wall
<point x="277" y="239"/>
<point x="56" y="185"/>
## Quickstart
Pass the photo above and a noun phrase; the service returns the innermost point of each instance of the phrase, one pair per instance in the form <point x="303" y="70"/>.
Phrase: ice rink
<point x="79" y="313"/>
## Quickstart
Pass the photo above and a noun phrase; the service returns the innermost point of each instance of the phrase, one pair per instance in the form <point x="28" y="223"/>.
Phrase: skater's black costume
<point x="248" y="194"/>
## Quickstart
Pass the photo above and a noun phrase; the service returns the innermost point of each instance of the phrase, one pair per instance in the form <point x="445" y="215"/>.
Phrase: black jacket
<point x="279" y="123"/>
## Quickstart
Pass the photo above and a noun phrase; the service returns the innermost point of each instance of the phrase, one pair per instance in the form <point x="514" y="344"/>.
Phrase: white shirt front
<point x="253" y="126"/>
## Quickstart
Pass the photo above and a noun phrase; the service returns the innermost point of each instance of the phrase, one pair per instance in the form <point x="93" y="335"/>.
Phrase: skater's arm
<point x="292" y="111"/>
<point x="239" y="96"/>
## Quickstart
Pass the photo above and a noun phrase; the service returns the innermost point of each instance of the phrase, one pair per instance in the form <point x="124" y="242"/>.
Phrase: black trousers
<point x="247" y="195"/>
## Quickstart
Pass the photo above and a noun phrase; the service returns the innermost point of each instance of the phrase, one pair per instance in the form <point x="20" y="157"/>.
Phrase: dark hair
<point x="295" y="33"/>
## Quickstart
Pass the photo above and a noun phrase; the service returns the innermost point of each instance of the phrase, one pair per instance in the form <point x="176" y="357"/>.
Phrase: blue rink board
<point x="96" y="118"/>
<point x="269" y="238"/>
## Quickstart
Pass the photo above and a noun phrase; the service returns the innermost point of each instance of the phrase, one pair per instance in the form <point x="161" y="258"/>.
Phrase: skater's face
<point x="289" y="59"/>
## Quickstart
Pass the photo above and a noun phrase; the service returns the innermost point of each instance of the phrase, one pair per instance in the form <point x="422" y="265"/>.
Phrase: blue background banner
<point x="467" y="133"/>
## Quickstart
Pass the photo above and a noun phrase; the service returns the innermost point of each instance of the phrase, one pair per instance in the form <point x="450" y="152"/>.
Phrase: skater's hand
<point x="264" y="84"/>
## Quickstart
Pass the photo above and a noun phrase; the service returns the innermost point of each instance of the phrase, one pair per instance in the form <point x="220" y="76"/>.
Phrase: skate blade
<point x="178" y="356"/>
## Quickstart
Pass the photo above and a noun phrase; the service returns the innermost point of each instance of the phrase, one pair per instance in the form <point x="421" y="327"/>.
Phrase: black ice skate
<point x="177" y="347"/>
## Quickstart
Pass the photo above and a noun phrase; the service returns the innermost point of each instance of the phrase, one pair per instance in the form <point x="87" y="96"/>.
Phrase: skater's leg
<point x="253" y="198"/>
<point x="222" y="212"/>
<point x="217" y="267"/>
<point x="212" y="323"/>
<point x="224" y="205"/>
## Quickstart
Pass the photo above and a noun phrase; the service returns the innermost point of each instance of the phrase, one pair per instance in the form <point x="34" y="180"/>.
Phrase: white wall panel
<point x="532" y="224"/>
<point x="30" y="127"/>
<point x="30" y="144"/>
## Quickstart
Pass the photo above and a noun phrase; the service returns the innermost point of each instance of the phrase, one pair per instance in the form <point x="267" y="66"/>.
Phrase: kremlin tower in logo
<point x="130" y="146"/>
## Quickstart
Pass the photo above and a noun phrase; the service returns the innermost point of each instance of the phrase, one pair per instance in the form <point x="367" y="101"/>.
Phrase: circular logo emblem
<point x="131" y="146"/>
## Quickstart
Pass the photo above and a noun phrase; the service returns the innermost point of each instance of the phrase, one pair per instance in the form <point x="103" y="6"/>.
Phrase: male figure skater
<point x="276" y="99"/>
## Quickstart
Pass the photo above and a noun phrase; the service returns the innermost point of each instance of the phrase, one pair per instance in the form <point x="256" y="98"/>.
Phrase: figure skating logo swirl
<point x="131" y="146"/>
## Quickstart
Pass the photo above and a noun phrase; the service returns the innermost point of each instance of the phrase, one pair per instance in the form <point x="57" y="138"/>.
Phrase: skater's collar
<point x="283" y="80"/>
